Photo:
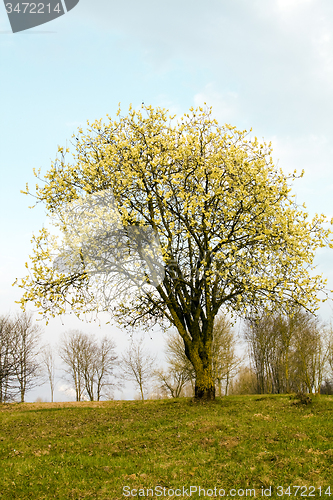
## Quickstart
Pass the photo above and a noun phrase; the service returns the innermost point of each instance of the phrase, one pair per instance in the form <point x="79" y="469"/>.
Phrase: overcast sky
<point x="265" y="64"/>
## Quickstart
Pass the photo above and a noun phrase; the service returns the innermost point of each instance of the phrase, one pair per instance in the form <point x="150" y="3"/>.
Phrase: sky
<point x="265" y="65"/>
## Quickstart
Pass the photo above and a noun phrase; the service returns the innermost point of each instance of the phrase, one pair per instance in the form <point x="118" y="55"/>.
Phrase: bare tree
<point x="180" y="370"/>
<point x="245" y="382"/>
<point x="311" y="353"/>
<point x="330" y="348"/>
<point x="138" y="365"/>
<point x="25" y="346"/>
<point x="327" y="386"/>
<point x="224" y="359"/>
<point x="259" y="333"/>
<point x="89" y="363"/>
<point x="289" y="353"/>
<point x="105" y="364"/>
<point x="70" y="351"/>
<point x="7" y="360"/>
<point x="98" y="363"/>
<point x="48" y="360"/>
<point x="172" y="381"/>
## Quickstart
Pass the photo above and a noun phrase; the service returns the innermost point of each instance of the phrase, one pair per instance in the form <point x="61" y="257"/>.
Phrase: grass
<point x="92" y="450"/>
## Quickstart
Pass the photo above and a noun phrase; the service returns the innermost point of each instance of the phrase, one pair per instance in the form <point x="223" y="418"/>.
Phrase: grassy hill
<point x="94" y="450"/>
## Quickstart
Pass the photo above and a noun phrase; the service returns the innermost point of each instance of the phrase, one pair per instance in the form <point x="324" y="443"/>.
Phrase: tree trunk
<point x="200" y="356"/>
<point x="98" y="389"/>
<point x="227" y="385"/>
<point x="204" y="385"/>
<point x="287" y="372"/>
<point x="204" y="393"/>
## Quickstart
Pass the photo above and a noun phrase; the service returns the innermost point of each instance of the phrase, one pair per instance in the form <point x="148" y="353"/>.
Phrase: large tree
<point x="225" y="362"/>
<point x="229" y="231"/>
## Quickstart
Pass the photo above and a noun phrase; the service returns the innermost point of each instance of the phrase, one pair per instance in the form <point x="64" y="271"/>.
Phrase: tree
<point x="176" y="356"/>
<point x="89" y="363"/>
<point x="327" y="386"/>
<point x="245" y="382"/>
<point x="25" y="346"/>
<point x="138" y="365"/>
<point x="70" y="351"/>
<point x="330" y="348"/>
<point x="225" y="362"/>
<point x="311" y="352"/>
<point x="180" y="371"/>
<point x="261" y="337"/>
<point x="98" y="363"/>
<point x="106" y="361"/>
<point x="47" y="357"/>
<point x="229" y="232"/>
<point x="171" y="381"/>
<point x="7" y="360"/>
<point x="289" y="352"/>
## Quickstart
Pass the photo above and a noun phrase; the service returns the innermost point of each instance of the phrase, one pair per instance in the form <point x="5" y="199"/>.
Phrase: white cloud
<point x="291" y="5"/>
<point x="69" y="392"/>
<point x="276" y="56"/>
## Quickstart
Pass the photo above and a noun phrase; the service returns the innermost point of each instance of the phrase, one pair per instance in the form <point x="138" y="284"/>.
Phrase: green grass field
<point x="115" y="450"/>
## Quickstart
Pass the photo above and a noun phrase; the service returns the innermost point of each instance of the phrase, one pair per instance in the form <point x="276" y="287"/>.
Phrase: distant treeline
<point x="288" y="354"/>
<point x="285" y="354"/>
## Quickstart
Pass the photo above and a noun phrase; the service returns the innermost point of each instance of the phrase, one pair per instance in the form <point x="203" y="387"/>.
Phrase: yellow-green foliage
<point x="231" y="233"/>
<point x="198" y="180"/>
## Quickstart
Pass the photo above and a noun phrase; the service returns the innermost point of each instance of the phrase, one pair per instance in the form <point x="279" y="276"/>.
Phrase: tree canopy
<point x="230" y="233"/>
